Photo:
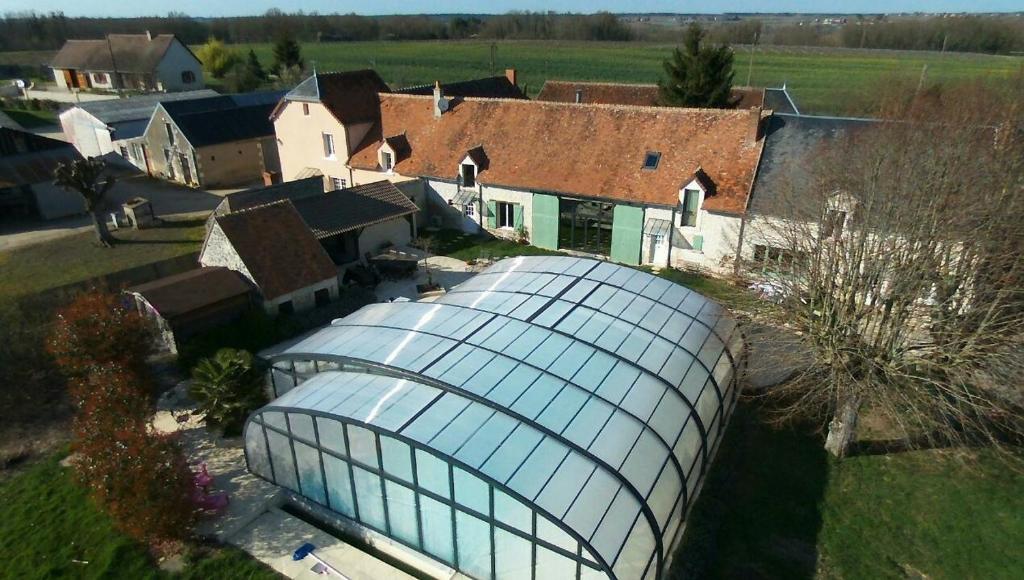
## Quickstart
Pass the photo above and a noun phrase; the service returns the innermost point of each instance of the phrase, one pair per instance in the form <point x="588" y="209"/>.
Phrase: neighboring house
<point x="220" y="141"/>
<point x="273" y="248"/>
<point x="500" y="87"/>
<point x="646" y="95"/>
<point x="186" y="304"/>
<point x="349" y="223"/>
<point x="117" y="125"/>
<point x="27" y="163"/>
<point x="140" y="62"/>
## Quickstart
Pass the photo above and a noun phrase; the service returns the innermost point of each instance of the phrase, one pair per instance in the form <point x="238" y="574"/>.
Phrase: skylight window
<point x="651" y="160"/>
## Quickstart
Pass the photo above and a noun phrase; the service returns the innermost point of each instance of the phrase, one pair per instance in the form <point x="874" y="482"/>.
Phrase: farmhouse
<point x="141" y="62"/>
<point x="97" y="128"/>
<point x="648" y="185"/>
<point x="220" y="141"/>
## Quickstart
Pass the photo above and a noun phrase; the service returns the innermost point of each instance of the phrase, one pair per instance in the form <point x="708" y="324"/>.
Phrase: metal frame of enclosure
<point x="551" y="417"/>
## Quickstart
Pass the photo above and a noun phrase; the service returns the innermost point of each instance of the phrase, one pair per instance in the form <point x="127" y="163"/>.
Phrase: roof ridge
<point x="615" y="107"/>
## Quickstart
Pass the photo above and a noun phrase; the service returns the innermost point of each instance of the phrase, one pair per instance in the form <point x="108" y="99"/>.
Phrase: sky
<point x="249" y="7"/>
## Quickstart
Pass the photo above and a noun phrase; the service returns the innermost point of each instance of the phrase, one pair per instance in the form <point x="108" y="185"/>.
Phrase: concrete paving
<point x="448" y="272"/>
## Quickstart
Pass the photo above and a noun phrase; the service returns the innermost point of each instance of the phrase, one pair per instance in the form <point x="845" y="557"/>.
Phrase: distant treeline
<point x="32" y="31"/>
<point x="988" y="34"/>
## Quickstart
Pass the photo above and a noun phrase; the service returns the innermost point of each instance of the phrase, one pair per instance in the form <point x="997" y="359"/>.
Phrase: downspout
<point x="671" y="237"/>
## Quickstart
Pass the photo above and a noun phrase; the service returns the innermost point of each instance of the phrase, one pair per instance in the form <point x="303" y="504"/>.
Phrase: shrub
<point x="95" y="329"/>
<point x="228" y="386"/>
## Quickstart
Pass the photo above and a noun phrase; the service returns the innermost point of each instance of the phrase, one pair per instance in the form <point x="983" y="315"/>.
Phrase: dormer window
<point x="387" y="162"/>
<point x="690" y="205"/>
<point x="651" y="160"/>
<point x="468" y="175"/>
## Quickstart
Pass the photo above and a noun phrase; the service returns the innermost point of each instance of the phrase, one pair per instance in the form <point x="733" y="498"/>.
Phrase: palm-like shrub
<point x="227" y="387"/>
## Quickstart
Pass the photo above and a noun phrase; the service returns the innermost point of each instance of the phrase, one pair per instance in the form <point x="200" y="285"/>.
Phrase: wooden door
<point x="70" y="79"/>
<point x="83" y="80"/>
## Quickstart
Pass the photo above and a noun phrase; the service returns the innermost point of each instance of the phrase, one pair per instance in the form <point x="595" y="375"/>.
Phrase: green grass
<point x="462" y="246"/>
<point x="31" y="119"/>
<point x="821" y="80"/>
<point x="73" y="258"/>
<point x="776" y="506"/>
<point x="50" y="528"/>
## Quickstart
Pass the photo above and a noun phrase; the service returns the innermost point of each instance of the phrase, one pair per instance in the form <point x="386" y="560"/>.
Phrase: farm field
<point x="833" y="81"/>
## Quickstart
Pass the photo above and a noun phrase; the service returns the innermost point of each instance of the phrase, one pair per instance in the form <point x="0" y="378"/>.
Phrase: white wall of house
<point x="87" y="133"/>
<point x="395" y="232"/>
<point x="58" y="77"/>
<point x="300" y="140"/>
<point x="516" y="196"/>
<point x="176" y="61"/>
<point x="304" y="298"/>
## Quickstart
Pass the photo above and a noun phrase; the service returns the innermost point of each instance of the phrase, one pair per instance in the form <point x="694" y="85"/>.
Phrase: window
<point x="328" y="145"/>
<point x="651" y="160"/>
<point x="469" y="210"/>
<point x="506" y="214"/>
<point x="188" y="77"/>
<point x="338" y="183"/>
<point x="688" y="213"/>
<point x="773" y="258"/>
<point x="169" y="132"/>
<point x="286" y="307"/>
<point x="386" y="161"/>
<point x="833" y="223"/>
<point x="124" y="152"/>
<point x="100" y="78"/>
<point x="322" y="296"/>
<point x="305" y="109"/>
<point x="468" y="175"/>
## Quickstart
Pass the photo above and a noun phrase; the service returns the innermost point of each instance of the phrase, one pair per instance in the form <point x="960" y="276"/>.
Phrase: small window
<point x="386" y="161"/>
<point x="833" y="223"/>
<point x="468" y="175"/>
<point x="688" y="212"/>
<point x="322" y="297"/>
<point x="286" y="307"/>
<point x="469" y="210"/>
<point x="100" y="78"/>
<point x="338" y="183"/>
<point x="170" y="133"/>
<point x="328" y="145"/>
<point x="213" y="157"/>
<point x="305" y="109"/>
<point x="506" y="214"/>
<point x="651" y="160"/>
<point x="124" y="152"/>
<point x="188" y="77"/>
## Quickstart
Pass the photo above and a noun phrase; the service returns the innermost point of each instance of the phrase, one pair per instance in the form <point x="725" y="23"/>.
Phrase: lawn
<point x="50" y="528"/>
<point x="776" y="506"/>
<point x="73" y="258"/>
<point x="466" y="247"/>
<point x="821" y="80"/>
<point x="31" y="119"/>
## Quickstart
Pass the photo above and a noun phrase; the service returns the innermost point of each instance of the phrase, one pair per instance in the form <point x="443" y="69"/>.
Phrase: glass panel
<point x="332" y="435"/>
<point x="339" y="486"/>
<point x="589" y="507"/>
<point x="281" y="456"/>
<point x="560" y="492"/>
<point x="256" y="450"/>
<point x="397" y="459"/>
<point x="302" y="426"/>
<point x="552" y="534"/>
<point x="432" y="474"/>
<point x="509" y="511"/>
<point x="363" y="445"/>
<point x="474" y="537"/>
<point x="310" y="478"/>
<point x="511" y="454"/>
<point x="471" y="491"/>
<point x="368" y="494"/>
<point x="402" y="512"/>
<point x="552" y="566"/>
<point x="437" y="529"/>
<point x="637" y="552"/>
<point x="536" y="470"/>
<point x="512" y="556"/>
<point x="611" y="534"/>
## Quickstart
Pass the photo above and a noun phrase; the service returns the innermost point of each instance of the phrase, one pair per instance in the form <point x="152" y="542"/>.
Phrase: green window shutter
<point x="627" y="234"/>
<point x="517" y="216"/>
<point x="544" y="232"/>
<point x="698" y="242"/>
<point x="492" y="214"/>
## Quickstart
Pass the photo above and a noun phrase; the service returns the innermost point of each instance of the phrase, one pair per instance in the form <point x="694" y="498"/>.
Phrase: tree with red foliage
<point x="95" y="329"/>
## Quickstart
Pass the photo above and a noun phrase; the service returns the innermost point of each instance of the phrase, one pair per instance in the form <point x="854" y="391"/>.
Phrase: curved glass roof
<point x="591" y="392"/>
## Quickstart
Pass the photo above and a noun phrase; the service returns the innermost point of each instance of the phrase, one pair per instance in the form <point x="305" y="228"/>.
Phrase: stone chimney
<point x="440" y="105"/>
<point x="149" y="35"/>
<point x="510" y="74"/>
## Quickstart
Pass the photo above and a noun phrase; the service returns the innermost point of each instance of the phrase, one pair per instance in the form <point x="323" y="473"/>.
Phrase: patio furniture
<point x="395" y="263"/>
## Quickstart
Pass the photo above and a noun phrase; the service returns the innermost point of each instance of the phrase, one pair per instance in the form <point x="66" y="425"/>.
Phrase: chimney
<point x="510" y="74"/>
<point x="439" y="108"/>
<point x="579" y="96"/>
<point x="149" y="35"/>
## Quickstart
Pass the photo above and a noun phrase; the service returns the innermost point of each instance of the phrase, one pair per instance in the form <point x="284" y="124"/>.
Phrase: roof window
<point x="651" y="160"/>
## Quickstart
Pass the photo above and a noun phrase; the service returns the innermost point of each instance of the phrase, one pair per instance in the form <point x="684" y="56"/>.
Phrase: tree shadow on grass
<point x="758" y="515"/>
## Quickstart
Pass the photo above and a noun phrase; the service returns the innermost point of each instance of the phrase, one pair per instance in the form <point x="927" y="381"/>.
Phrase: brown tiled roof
<point x="278" y="248"/>
<point x="629" y="94"/>
<point x="187" y="292"/>
<point x="588" y="151"/>
<point x="134" y="53"/>
<point x="350" y="96"/>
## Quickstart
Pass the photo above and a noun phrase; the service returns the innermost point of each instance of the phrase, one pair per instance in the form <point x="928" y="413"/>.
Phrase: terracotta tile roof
<point x="350" y="96"/>
<point x="645" y="95"/>
<point x="278" y="248"/>
<point x="187" y="292"/>
<point x="587" y="151"/>
<point x="133" y="53"/>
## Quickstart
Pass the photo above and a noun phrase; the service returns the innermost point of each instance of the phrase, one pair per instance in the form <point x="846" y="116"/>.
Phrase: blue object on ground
<point x="303" y="551"/>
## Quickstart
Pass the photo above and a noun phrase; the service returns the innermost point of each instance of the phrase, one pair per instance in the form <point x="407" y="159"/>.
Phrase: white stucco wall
<point x="58" y="77"/>
<point x="396" y="232"/>
<point x="523" y="198"/>
<point x="300" y="142"/>
<point x="304" y="298"/>
<point x="88" y="134"/>
<point x="176" y="60"/>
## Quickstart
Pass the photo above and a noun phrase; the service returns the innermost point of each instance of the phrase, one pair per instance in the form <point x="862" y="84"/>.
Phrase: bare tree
<point x="86" y="176"/>
<point x="900" y="262"/>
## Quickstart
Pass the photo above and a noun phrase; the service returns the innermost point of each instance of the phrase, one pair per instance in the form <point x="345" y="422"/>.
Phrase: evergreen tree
<point x="698" y="76"/>
<point x="253" y="68"/>
<point x="287" y="54"/>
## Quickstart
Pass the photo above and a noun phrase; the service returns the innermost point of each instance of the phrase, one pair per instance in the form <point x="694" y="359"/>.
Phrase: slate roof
<point x="139" y="106"/>
<point x="344" y="210"/>
<point x="780" y="101"/>
<point x="132" y="53"/>
<point x="193" y="290"/>
<point x="790" y="143"/>
<point x="277" y="248"/>
<point x="224" y="118"/>
<point x="350" y="96"/>
<point x="499" y="87"/>
<point x="589" y="151"/>
<point x="26" y="158"/>
<point x="258" y="196"/>
<point x="7" y="122"/>
<point x="645" y="95"/>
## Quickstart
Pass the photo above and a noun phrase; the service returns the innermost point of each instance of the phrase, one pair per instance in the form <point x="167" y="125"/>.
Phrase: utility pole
<point x="494" y="55"/>
<point x="945" y="40"/>
<point x="750" y="66"/>
<point x="923" y="79"/>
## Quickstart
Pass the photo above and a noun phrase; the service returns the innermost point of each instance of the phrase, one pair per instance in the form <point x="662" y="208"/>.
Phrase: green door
<point x="545" y="221"/>
<point x="627" y="234"/>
